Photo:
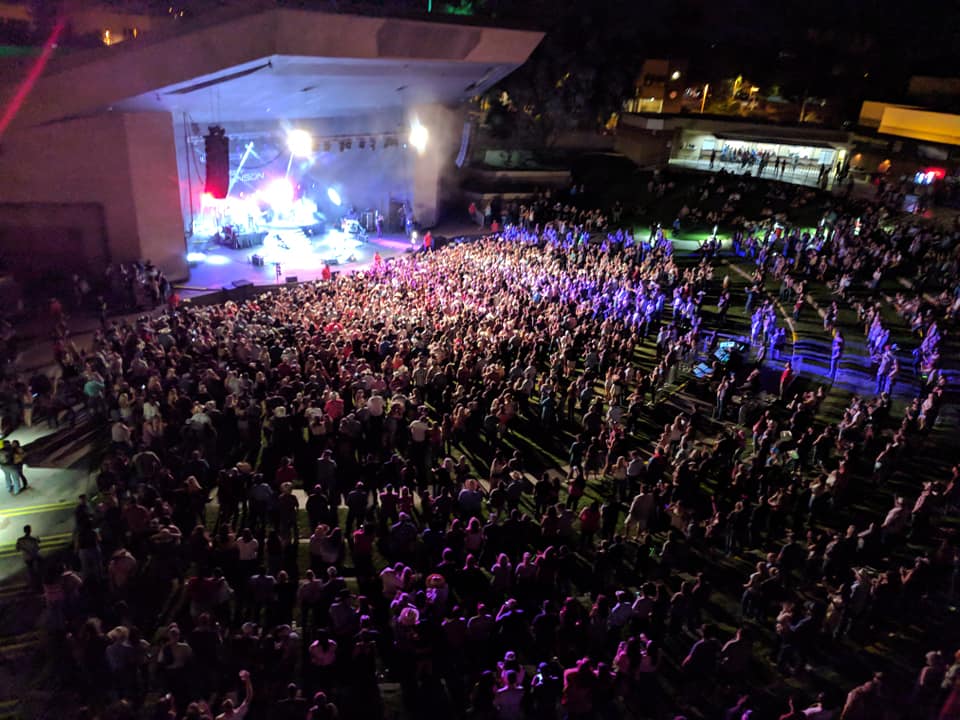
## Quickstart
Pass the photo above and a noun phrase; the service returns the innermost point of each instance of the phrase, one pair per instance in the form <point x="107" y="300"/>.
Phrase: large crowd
<point x="509" y="508"/>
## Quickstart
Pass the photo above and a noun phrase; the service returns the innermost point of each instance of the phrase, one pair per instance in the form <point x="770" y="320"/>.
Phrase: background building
<point x="921" y="135"/>
<point x="710" y="143"/>
<point x="659" y="87"/>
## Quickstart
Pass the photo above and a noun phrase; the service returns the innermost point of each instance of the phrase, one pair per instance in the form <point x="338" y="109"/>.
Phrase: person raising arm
<point x="240" y="712"/>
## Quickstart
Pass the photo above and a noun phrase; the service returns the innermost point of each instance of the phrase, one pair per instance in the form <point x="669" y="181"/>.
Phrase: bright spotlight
<point x="676" y="75"/>
<point x="334" y="196"/>
<point x="196" y="257"/>
<point x="279" y="193"/>
<point x="299" y="143"/>
<point x="218" y="260"/>
<point x="418" y="136"/>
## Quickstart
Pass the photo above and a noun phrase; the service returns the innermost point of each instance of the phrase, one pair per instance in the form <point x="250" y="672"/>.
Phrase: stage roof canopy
<point x="275" y="64"/>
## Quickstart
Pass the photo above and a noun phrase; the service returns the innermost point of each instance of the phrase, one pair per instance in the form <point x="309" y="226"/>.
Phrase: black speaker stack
<point x="217" y="149"/>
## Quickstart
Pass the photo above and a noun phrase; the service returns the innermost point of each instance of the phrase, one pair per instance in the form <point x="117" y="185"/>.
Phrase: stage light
<point x="326" y="146"/>
<point x="196" y="257"/>
<point x="279" y="193"/>
<point x="362" y="143"/>
<point x="218" y="260"/>
<point x="299" y="143"/>
<point x="373" y="143"/>
<point x="418" y="136"/>
<point x="334" y="196"/>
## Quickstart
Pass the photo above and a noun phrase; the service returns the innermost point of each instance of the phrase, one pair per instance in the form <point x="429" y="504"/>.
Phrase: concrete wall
<point x="36" y="237"/>
<point x="545" y="178"/>
<point x="645" y="147"/>
<point x="154" y="185"/>
<point x="123" y="163"/>
<point x="682" y="150"/>
<point x="436" y="163"/>
<point x="82" y="161"/>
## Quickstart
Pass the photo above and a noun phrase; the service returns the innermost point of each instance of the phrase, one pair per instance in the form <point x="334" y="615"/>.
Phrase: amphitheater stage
<point x="214" y="267"/>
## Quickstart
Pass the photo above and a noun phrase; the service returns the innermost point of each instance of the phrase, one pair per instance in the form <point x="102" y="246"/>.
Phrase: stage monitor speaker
<point x="256" y="260"/>
<point x="242" y="283"/>
<point x="217" y="149"/>
<point x="292" y="279"/>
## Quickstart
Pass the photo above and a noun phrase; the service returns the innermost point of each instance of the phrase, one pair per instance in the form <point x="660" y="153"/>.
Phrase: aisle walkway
<point x="57" y="471"/>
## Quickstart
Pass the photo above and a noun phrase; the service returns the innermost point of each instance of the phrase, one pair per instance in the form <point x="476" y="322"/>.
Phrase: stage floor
<point x="213" y="267"/>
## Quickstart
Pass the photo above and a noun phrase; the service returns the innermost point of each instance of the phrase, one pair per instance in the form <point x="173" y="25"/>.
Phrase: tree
<point x="580" y="73"/>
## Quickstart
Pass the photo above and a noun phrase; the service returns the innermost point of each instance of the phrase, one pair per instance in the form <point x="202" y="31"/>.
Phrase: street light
<point x="703" y="100"/>
<point x="676" y="75"/>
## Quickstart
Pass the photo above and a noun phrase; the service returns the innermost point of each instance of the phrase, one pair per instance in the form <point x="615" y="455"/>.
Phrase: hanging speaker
<point x="217" y="148"/>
